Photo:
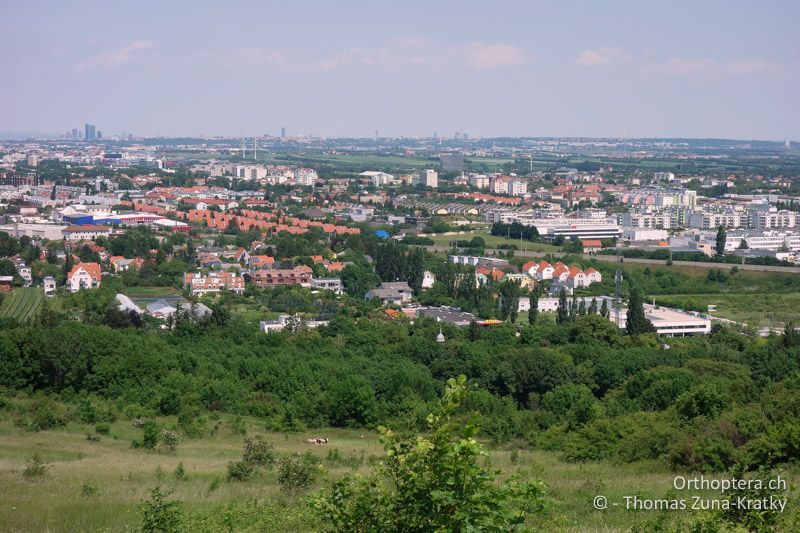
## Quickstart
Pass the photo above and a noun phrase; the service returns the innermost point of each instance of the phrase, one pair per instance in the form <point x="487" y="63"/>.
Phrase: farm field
<point x="91" y="486"/>
<point x="22" y="304"/>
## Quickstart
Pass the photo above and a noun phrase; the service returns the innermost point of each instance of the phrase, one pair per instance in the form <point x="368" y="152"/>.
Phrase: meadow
<point x="98" y="486"/>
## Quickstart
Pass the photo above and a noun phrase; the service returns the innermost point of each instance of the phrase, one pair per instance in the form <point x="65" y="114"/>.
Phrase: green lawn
<point x="22" y="304"/>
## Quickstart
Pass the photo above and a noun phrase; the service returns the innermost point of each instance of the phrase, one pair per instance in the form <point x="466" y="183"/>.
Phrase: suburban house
<point x="268" y="326"/>
<point x="260" y="261"/>
<point x="591" y="246"/>
<point x="121" y="264"/>
<point x="49" y="286"/>
<point x="199" y="285"/>
<point x="394" y="292"/>
<point x="544" y="271"/>
<point x="328" y="284"/>
<point x="84" y="276"/>
<point x="428" y="279"/>
<point x="5" y="283"/>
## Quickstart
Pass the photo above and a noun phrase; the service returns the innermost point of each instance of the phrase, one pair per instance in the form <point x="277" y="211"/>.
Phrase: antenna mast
<point x="618" y="286"/>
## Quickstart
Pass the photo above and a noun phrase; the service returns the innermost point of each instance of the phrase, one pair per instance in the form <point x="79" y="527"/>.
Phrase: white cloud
<point x="253" y="56"/>
<point x="747" y="67"/>
<point x="600" y="57"/>
<point x="678" y="67"/>
<point x="482" y="55"/>
<point x="115" y="58"/>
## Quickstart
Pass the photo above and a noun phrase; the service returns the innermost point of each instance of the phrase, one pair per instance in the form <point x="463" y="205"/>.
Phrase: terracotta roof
<point x="93" y="269"/>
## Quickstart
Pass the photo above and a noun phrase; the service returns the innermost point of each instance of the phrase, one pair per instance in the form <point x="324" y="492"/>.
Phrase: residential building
<point x="85" y="233"/>
<point x="395" y="292"/>
<point x="328" y="284"/>
<point x="427" y="178"/>
<point x="278" y="277"/>
<point x="84" y="276"/>
<point x="214" y="282"/>
<point x="283" y="321"/>
<point x="49" y="286"/>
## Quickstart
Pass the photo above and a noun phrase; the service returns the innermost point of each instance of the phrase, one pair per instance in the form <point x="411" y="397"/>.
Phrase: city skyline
<point x="513" y="69"/>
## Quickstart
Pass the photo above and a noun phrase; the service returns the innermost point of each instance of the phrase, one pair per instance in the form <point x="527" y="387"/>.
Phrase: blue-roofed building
<point x="382" y="233"/>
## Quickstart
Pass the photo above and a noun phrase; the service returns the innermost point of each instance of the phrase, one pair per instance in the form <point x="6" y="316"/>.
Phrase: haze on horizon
<point x="728" y="69"/>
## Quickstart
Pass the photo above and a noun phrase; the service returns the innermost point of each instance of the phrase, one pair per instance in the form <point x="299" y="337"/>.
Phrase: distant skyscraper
<point x="89" y="132"/>
<point x="75" y="133"/>
<point x="99" y="134"/>
<point x="283" y="131"/>
<point x="788" y="143"/>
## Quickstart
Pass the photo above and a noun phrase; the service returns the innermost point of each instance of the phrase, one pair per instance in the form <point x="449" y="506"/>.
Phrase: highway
<point x="613" y="259"/>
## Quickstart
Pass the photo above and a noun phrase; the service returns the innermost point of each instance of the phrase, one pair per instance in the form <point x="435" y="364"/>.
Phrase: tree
<point x="604" y="310"/>
<point x="432" y="483"/>
<point x="593" y="307"/>
<point x="562" y="313"/>
<point x="533" y="312"/>
<point x="161" y="516"/>
<point x="743" y="244"/>
<point x="721" y="238"/>
<point x="509" y="300"/>
<point x="636" y="321"/>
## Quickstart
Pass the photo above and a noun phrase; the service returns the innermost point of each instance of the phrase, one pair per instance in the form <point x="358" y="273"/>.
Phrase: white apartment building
<point x="664" y="176"/>
<point x="658" y="219"/>
<point x="479" y="181"/>
<point x="379" y="179"/>
<point x="249" y="172"/>
<point x="772" y="218"/>
<point x="428" y="178"/>
<point x="773" y="241"/>
<point x="509" y="185"/>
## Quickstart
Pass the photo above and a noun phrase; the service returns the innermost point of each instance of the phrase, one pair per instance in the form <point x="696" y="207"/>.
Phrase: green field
<point x="91" y="486"/>
<point x="494" y="241"/>
<point x="22" y="304"/>
<point x="761" y="309"/>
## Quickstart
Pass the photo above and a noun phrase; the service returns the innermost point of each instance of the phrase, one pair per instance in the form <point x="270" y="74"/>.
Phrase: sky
<point x="728" y="69"/>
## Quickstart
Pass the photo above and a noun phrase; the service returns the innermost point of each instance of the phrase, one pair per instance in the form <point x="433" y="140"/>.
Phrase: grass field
<point x="119" y="478"/>
<point x="22" y="304"/>
<point x="494" y="241"/>
<point x="759" y="309"/>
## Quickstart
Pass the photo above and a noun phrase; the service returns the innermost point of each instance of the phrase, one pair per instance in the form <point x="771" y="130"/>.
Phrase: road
<point x="613" y="259"/>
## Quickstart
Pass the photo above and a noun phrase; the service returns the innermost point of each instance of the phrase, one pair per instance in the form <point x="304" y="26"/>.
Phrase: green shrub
<point x="180" y="472"/>
<point x="240" y="471"/>
<point x="298" y="471"/>
<point x="88" y="490"/>
<point x="161" y="516"/>
<point x="36" y="469"/>
<point x="258" y="452"/>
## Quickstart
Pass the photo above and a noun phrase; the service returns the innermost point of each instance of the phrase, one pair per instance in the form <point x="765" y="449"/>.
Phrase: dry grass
<point x="123" y="476"/>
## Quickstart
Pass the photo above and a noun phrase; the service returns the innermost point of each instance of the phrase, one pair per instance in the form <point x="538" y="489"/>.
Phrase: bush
<point x="240" y="471"/>
<point x="169" y="439"/>
<point x="36" y="469"/>
<point x="88" y="490"/>
<point x="102" y="429"/>
<point x="258" y="452"/>
<point x="180" y="472"/>
<point x="94" y="437"/>
<point x="43" y="414"/>
<point x="161" y="516"/>
<point x="298" y="471"/>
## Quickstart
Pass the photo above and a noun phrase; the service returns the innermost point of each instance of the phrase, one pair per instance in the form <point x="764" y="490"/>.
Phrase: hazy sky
<point x="555" y="68"/>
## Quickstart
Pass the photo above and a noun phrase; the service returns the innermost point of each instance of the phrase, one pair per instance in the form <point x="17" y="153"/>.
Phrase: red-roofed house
<point x="260" y="261"/>
<point x="591" y="246"/>
<point x="84" y="276"/>
<point x="545" y="271"/>
<point x="593" y="276"/>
